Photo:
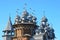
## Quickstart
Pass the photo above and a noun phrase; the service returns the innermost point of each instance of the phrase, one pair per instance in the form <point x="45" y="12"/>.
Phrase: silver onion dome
<point x="30" y="18"/>
<point x="44" y="19"/>
<point x="51" y="29"/>
<point x="34" y="19"/>
<point x="17" y="19"/>
<point x="25" y="13"/>
<point x="47" y="24"/>
<point x="24" y="16"/>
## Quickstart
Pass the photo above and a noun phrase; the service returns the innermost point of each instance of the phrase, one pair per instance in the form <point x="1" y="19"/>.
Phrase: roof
<point x="25" y="18"/>
<point x="44" y="19"/>
<point x="9" y="25"/>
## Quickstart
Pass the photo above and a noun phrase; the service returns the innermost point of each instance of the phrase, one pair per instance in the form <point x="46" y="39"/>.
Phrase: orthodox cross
<point x="25" y="6"/>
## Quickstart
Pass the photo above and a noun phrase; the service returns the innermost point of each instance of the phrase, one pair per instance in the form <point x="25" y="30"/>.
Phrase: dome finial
<point x="25" y="6"/>
<point x="33" y="11"/>
<point x="44" y="13"/>
<point x="44" y="19"/>
<point x="17" y="11"/>
<point x="9" y="16"/>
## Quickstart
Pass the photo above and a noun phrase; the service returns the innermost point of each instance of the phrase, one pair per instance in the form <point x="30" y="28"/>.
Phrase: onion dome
<point x="24" y="16"/>
<point x="43" y="24"/>
<point x="51" y="29"/>
<point x="20" y="20"/>
<point x="17" y="19"/>
<point x="24" y="19"/>
<point x="44" y="19"/>
<point x="47" y="24"/>
<point x="47" y="29"/>
<point x="34" y="19"/>
<point x="25" y="13"/>
<point x="51" y="34"/>
<point x="30" y="18"/>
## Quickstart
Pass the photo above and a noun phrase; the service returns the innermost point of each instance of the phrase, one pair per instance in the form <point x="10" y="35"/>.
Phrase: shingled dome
<point x="44" y="19"/>
<point x="25" y="13"/>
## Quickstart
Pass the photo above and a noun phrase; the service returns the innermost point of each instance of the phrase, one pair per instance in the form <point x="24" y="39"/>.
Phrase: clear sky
<point x="51" y="8"/>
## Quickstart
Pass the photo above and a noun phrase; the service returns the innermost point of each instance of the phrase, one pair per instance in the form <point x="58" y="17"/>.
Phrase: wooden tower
<point x="24" y="26"/>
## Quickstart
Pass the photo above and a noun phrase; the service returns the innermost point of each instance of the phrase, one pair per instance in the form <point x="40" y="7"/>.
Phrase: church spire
<point x="8" y="30"/>
<point x="9" y="25"/>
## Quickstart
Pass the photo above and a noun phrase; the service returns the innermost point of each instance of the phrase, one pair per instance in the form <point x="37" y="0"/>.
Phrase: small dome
<point x="34" y="18"/>
<point x="47" y="24"/>
<point x="22" y="19"/>
<point x="17" y="19"/>
<point x="25" y="13"/>
<point x="51" y="29"/>
<point x="43" y="23"/>
<point x="30" y="17"/>
<point x="47" y="28"/>
<point x="44" y="19"/>
<point x="17" y="16"/>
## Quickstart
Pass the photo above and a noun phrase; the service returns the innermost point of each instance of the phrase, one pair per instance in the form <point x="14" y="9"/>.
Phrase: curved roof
<point x="25" y="18"/>
<point x="44" y="19"/>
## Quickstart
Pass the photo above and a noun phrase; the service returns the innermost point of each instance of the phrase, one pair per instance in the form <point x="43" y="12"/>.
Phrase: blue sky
<point x="51" y="8"/>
